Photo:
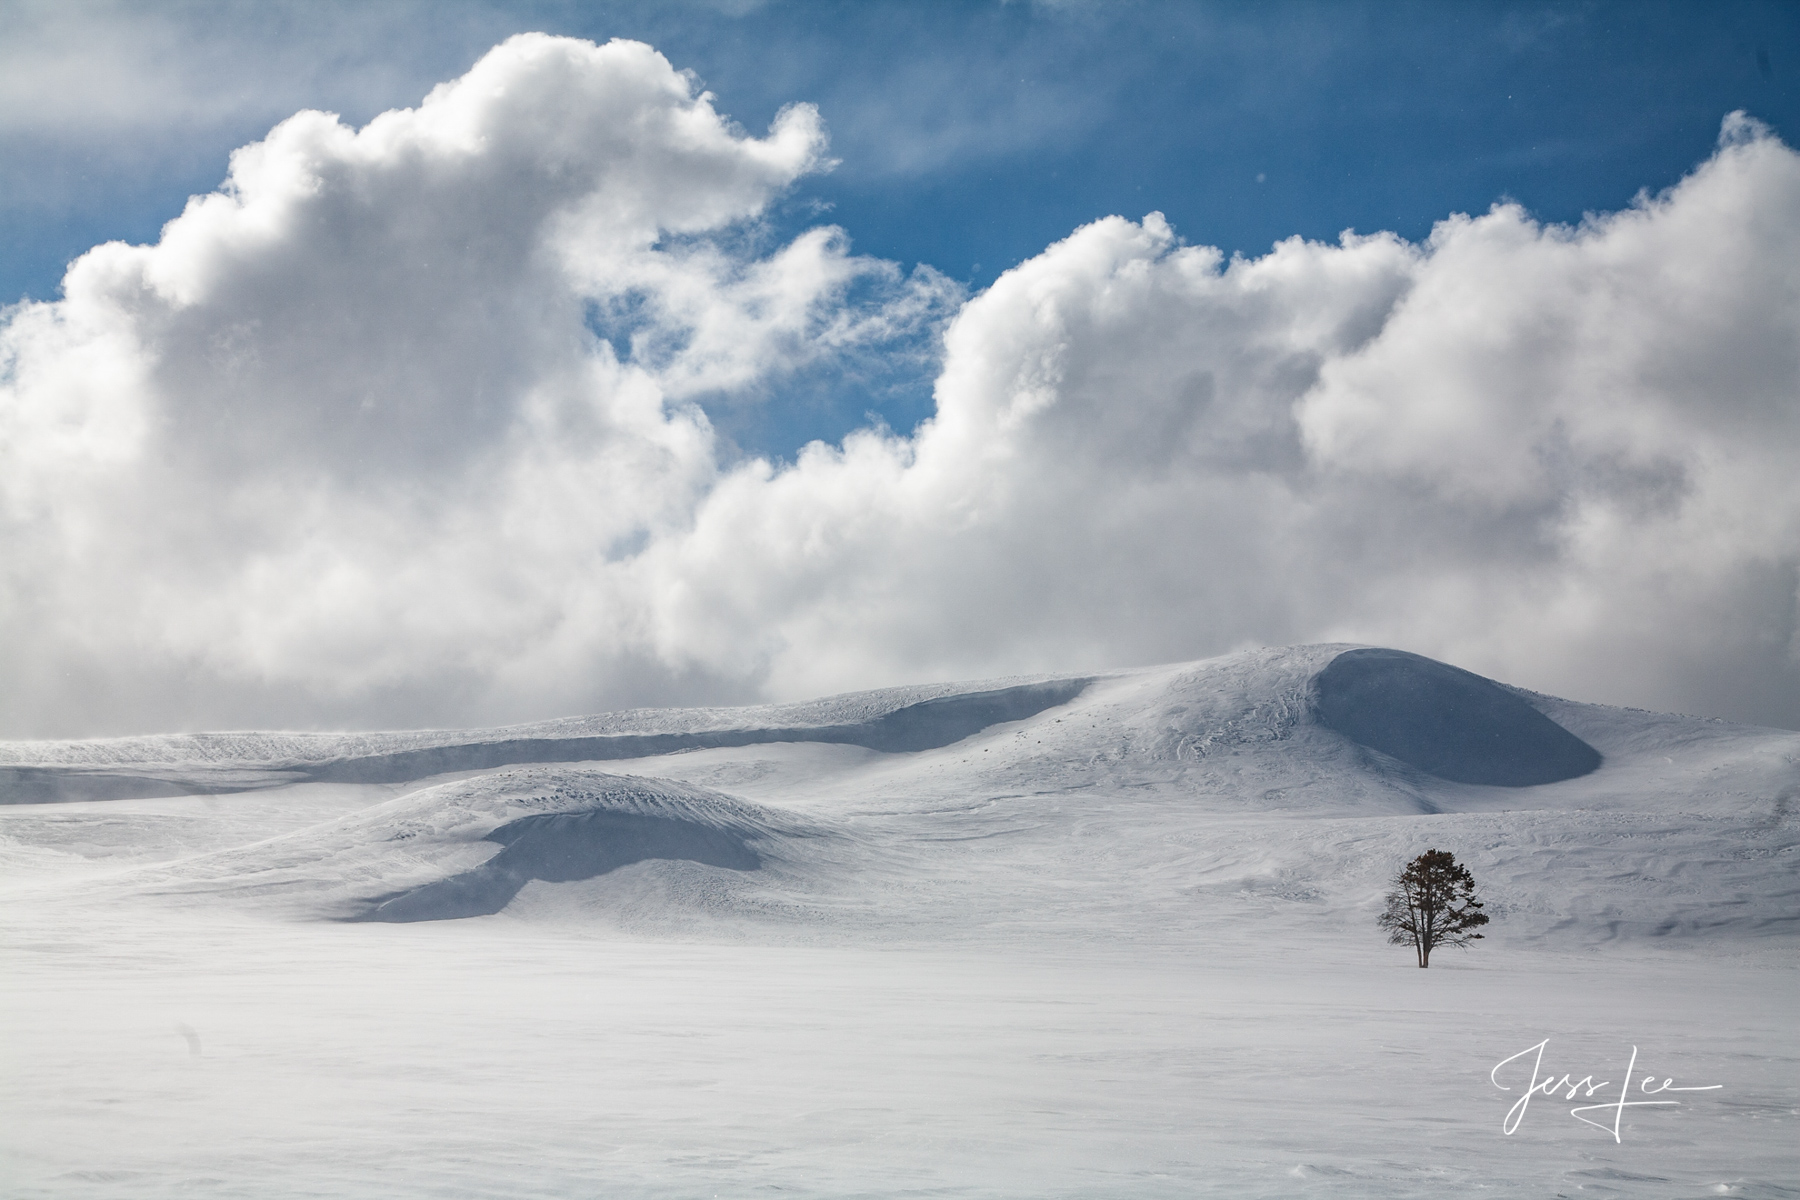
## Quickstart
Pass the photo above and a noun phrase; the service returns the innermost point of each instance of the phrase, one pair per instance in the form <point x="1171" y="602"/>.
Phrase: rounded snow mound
<point x="630" y="821"/>
<point x="1445" y="721"/>
<point x="430" y="855"/>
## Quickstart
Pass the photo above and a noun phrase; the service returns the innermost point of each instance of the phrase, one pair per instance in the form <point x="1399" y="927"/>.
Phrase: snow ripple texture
<point x="349" y="867"/>
<point x="1118" y="944"/>
<point x="1144" y="807"/>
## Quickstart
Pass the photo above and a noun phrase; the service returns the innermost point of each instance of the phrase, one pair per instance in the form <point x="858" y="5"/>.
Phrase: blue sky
<point x="337" y="446"/>
<point x="968" y="135"/>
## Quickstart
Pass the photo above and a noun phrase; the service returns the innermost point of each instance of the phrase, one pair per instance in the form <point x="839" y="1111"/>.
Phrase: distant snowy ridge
<point x="1148" y="806"/>
<point x="1247" y="697"/>
<point x="891" y="720"/>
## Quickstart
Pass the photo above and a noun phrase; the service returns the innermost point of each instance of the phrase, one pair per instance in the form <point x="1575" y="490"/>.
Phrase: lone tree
<point x="1433" y="904"/>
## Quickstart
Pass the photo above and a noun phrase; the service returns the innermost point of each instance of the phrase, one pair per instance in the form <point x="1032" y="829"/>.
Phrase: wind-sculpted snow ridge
<point x="1146" y="892"/>
<point x="893" y="720"/>
<point x="430" y="855"/>
<point x="1447" y="722"/>
<point x="622" y="820"/>
<point x="565" y="848"/>
<point x="1151" y="803"/>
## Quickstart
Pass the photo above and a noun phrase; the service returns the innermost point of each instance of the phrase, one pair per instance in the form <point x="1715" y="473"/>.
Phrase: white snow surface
<point x="252" y="749"/>
<point x="1124" y="947"/>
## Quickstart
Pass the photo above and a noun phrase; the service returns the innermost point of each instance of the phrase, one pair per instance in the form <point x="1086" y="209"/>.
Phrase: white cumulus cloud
<point x="403" y="425"/>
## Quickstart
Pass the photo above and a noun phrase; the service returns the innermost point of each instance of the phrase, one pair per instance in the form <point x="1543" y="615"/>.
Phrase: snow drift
<point x="1119" y="935"/>
<point x="1270" y="785"/>
<point x="568" y="846"/>
<point x="895" y="720"/>
<point x="1449" y="723"/>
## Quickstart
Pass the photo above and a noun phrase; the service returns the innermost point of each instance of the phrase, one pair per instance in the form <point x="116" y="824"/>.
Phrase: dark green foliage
<point x="1433" y="904"/>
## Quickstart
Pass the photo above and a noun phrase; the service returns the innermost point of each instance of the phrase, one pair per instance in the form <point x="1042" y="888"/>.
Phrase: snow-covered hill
<point x="1143" y="803"/>
<point x="1239" y="815"/>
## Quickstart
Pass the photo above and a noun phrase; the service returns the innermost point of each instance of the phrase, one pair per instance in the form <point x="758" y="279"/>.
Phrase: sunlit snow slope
<point x="1107" y="936"/>
<point x="1145" y="805"/>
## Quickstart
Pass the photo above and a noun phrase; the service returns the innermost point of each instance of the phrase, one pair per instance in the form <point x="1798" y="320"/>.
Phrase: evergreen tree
<point x="1433" y="904"/>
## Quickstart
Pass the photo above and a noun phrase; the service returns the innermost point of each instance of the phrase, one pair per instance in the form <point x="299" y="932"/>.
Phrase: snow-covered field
<point x="1118" y="943"/>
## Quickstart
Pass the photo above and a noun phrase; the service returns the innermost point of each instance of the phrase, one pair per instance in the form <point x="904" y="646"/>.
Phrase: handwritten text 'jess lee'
<point x="1549" y="1085"/>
